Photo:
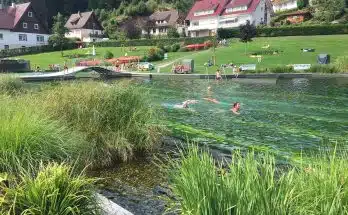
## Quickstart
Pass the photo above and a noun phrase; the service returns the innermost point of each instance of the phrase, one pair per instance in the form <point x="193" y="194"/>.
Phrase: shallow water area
<point x="285" y="116"/>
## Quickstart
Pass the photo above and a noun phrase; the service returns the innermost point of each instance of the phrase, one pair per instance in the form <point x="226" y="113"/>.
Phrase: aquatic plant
<point x="254" y="184"/>
<point x="53" y="190"/>
<point x="10" y="84"/>
<point x="342" y="63"/>
<point x="28" y="137"/>
<point x="116" y="120"/>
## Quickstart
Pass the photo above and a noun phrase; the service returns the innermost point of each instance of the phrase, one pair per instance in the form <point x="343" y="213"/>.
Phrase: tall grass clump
<point x="254" y="184"/>
<point x="117" y="120"/>
<point x="10" y="84"/>
<point x="53" y="190"/>
<point x="28" y="137"/>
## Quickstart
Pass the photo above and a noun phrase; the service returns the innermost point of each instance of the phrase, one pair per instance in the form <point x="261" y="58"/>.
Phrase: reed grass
<point x="55" y="189"/>
<point x="256" y="185"/>
<point x="28" y="137"/>
<point x="10" y="84"/>
<point x="117" y="120"/>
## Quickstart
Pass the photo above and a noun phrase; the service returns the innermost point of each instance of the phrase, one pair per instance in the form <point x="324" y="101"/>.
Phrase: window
<point x="1" y="36"/>
<point x="154" y="31"/>
<point x="40" y="38"/>
<point x="30" y="14"/>
<point x="25" y="25"/>
<point x="195" y="23"/>
<point x="205" y="12"/>
<point x="234" y="9"/>
<point x="36" y="26"/>
<point x="261" y="9"/>
<point x="6" y="47"/>
<point x="23" y="37"/>
<point x="235" y="20"/>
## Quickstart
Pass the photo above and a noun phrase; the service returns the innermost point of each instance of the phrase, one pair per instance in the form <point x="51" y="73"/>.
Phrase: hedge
<point x="110" y="43"/>
<point x="152" y="42"/>
<point x="289" y="31"/>
<point x="34" y="50"/>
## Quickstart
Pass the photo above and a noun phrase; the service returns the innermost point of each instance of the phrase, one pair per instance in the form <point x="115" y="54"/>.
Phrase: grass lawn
<point x="45" y="59"/>
<point x="290" y="47"/>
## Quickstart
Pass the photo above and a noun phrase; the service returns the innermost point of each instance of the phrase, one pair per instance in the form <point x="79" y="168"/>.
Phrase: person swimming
<point x="212" y="100"/>
<point x="186" y="104"/>
<point x="218" y="76"/>
<point x="235" y="108"/>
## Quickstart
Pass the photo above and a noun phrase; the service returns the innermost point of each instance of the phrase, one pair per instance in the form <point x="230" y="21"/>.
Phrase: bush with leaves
<point x="341" y="63"/>
<point x="173" y="33"/>
<point x="155" y="54"/>
<point x="108" y="55"/>
<point x="175" y="47"/>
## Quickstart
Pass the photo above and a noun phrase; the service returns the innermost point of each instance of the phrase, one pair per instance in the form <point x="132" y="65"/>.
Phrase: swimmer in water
<point x="212" y="100"/>
<point x="235" y="108"/>
<point x="186" y="104"/>
<point x="218" y="76"/>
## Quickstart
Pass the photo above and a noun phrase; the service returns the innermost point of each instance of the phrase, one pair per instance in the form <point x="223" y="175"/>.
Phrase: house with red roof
<point x="21" y="27"/>
<point x="206" y="16"/>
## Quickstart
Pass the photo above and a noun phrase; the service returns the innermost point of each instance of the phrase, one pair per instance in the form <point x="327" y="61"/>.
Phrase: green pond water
<point x="286" y="116"/>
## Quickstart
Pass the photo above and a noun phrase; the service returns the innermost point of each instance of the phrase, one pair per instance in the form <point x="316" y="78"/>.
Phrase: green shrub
<point x="225" y="33"/>
<point x="34" y="50"/>
<point x="254" y="184"/>
<point x="54" y="190"/>
<point x="108" y="55"/>
<point x="155" y="54"/>
<point x="290" y="30"/>
<point x="281" y="69"/>
<point x="116" y="120"/>
<point x="10" y="84"/>
<point x="173" y="33"/>
<point x="323" y="69"/>
<point x="152" y="42"/>
<point x="175" y="47"/>
<point x="167" y="48"/>
<point x="341" y="63"/>
<point x="28" y="137"/>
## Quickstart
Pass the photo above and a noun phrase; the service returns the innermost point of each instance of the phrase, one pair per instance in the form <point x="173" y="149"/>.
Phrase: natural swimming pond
<point x="282" y="115"/>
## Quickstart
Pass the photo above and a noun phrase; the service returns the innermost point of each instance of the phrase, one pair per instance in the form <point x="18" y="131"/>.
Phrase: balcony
<point x="97" y="35"/>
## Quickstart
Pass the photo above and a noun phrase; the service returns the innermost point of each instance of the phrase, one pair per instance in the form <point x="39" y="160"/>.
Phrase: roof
<point x="10" y="16"/>
<point x="206" y="5"/>
<point x="171" y="16"/>
<point x="237" y="3"/>
<point x="78" y="20"/>
<point x="252" y="5"/>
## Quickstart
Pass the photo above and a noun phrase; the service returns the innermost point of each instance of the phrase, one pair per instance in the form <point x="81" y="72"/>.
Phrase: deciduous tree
<point x="247" y="33"/>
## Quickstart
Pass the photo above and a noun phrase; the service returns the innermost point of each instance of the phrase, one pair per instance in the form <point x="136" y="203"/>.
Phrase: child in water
<point x="235" y="108"/>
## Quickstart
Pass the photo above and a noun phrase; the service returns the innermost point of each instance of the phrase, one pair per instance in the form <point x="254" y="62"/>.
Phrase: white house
<point x="283" y="5"/>
<point x="206" y="16"/>
<point x="20" y="27"/>
<point x="84" y="26"/>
